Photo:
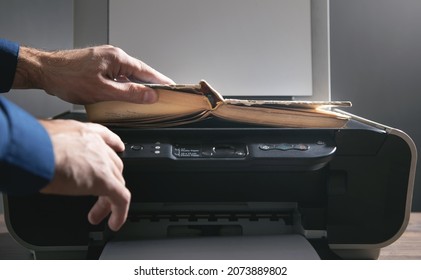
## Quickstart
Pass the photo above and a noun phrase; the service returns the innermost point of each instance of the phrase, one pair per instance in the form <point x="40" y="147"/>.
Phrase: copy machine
<point x="225" y="190"/>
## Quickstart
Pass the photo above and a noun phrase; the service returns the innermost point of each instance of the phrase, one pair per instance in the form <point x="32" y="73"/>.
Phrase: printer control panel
<point x="235" y="151"/>
<point x="287" y="154"/>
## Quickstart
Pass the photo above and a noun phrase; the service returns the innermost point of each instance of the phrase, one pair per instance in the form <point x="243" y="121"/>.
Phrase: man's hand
<point x="87" y="164"/>
<point x="89" y="75"/>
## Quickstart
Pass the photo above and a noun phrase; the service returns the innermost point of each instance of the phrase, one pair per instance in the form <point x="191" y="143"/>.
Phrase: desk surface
<point x="407" y="247"/>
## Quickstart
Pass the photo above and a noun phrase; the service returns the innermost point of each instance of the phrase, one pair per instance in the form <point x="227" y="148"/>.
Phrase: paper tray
<point x="291" y="247"/>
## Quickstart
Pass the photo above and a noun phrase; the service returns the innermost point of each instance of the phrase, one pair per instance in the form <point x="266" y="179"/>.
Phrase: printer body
<point x="347" y="192"/>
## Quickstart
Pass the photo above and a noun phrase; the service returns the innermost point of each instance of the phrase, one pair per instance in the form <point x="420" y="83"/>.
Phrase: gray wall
<point x="376" y="63"/>
<point x="46" y="24"/>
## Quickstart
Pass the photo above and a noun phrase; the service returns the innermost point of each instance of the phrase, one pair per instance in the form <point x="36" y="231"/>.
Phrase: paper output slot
<point x="286" y="217"/>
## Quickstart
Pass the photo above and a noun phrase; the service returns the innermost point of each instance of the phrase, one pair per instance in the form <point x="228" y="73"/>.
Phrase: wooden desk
<point x="407" y="247"/>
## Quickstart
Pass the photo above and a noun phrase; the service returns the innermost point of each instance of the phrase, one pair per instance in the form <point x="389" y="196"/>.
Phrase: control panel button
<point x="136" y="147"/>
<point x="284" y="147"/>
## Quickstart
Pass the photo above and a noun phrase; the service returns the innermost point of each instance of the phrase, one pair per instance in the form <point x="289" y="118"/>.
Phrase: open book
<point x="181" y="104"/>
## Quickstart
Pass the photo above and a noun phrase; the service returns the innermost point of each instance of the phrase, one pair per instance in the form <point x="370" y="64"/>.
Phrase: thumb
<point x="134" y="92"/>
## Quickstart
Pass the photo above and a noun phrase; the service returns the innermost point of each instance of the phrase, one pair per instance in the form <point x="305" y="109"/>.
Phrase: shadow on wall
<point x="376" y="64"/>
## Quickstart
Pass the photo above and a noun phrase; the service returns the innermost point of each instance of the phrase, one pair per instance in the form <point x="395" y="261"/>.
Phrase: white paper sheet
<point x="290" y="247"/>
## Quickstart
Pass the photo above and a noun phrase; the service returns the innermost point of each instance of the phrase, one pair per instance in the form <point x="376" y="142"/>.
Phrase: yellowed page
<point x="171" y="103"/>
<point x="160" y="122"/>
<point x="279" y="117"/>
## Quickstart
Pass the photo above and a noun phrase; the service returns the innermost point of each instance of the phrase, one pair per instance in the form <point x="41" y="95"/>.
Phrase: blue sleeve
<point x="8" y="60"/>
<point x="26" y="151"/>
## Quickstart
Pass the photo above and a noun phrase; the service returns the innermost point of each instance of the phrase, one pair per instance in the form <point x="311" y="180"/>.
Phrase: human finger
<point x="110" y="138"/>
<point x="132" y="92"/>
<point x="118" y="166"/>
<point x="99" y="211"/>
<point x="117" y="205"/>
<point x="143" y="72"/>
<point x="118" y="217"/>
<point x="119" y="208"/>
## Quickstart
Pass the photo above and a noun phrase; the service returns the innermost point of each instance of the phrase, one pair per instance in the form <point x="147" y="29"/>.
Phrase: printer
<point x="225" y="190"/>
<point x="222" y="190"/>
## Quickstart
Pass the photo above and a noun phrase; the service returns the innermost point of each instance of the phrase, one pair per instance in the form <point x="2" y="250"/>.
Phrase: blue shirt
<point x="26" y="151"/>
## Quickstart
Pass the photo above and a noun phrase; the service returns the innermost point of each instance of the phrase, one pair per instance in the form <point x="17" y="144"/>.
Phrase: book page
<point x="281" y="117"/>
<point x="159" y="121"/>
<point x="171" y="104"/>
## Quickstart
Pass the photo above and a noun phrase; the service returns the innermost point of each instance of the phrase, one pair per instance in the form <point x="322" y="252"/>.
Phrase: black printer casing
<point x="350" y="188"/>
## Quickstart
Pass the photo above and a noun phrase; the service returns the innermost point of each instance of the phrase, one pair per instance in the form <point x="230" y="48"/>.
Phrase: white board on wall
<point x="241" y="47"/>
